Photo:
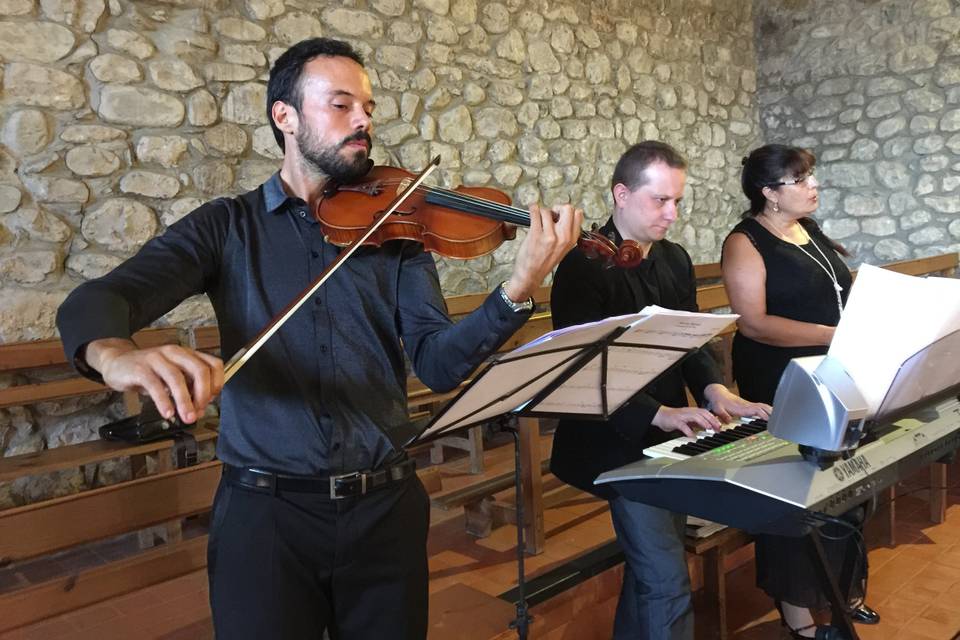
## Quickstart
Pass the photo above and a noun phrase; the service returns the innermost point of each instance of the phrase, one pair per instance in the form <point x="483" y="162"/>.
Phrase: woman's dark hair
<point x="630" y="168"/>
<point x="766" y="166"/>
<point x="284" y="84"/>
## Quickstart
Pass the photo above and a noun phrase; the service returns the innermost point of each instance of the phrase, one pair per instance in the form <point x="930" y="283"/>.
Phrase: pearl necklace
<point x="828" y="269"/>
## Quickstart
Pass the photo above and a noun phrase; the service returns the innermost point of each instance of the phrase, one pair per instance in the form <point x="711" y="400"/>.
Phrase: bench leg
<point x="888" y="516"/>
<point x="436" y="452"/>
<point x="478" y="517"/>
<point x="938" y="492"/>
<point x="715" y="587"/>
<point x="475" y="447"/>
<point x="472" y="444"/>
<point x="532" y="490"/>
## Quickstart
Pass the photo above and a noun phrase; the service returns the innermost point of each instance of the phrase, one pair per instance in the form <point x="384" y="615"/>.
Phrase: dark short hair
<point x="632" y="164"/>
<point x="284" y="84"/>
<point x="766" y="166"/>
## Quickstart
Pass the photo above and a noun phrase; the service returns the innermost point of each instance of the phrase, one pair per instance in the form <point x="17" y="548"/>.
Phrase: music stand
<point x="586" y="372"/>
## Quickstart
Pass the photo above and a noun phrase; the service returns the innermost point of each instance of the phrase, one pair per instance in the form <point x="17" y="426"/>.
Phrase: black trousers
<point x="288" y="566"/>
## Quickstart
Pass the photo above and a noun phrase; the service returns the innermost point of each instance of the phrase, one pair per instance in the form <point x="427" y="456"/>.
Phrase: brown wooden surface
<point x="945" y="263"/>
<point x="464" y="613"/>
<point x="707" y="271"/>
<point x="531" y="489"/>
<point x="46" y="353"/>
<point x="27" y="394"/>
<point x="77" y="455"/>
<point x="56" y="524"/>
<point x="206" y="338"/>
<point x="712" y="296"/>
<point x="453" y="498"/>
<point x="94" y="585"/>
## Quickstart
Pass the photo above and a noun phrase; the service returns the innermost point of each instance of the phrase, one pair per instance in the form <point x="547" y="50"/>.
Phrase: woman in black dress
<point x="788" y="282"/>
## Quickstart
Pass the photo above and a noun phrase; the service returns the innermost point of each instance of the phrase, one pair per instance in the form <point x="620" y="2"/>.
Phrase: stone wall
<point x="119" y="117"/>
<point x="873" y="88"/>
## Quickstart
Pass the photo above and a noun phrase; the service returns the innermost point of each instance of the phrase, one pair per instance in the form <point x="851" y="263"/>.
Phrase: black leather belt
<point x="347" y="485"/>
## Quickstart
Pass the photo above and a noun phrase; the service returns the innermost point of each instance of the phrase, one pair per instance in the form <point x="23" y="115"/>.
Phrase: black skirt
<point x="785" y="565"/>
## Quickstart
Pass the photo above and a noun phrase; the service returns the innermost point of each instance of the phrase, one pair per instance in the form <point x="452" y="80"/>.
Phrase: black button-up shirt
<point x="327" y="393"/>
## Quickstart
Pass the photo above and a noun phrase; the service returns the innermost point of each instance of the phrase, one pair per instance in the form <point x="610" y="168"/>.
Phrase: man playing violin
<point x="319" y="521"/>
<point x="647" y="187"/>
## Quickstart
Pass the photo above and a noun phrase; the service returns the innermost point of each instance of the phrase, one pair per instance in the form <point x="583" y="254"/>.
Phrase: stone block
<point x="139" y="106"/>
<point x="120" y="224"/>
<point x="34" y="41"/>
<point x="34" y="85"/>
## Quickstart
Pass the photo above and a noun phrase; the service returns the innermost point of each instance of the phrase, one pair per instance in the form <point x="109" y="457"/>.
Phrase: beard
<point x="328" y="159"/>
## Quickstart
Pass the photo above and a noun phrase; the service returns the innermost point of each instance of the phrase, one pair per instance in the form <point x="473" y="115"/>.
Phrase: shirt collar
<point x="274" y="196"/>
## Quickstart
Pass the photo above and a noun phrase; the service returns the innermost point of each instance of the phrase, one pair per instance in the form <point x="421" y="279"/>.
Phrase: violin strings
<point x="472" y="204"/>
<point x="480" y="206"/>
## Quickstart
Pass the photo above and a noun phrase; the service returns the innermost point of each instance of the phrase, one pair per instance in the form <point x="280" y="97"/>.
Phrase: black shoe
<point x="820" y="632"/>
<point x="865" y="615"/>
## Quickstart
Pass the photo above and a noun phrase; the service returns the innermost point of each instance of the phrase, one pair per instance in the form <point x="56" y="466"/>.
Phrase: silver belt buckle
<point x="355" y="474"/>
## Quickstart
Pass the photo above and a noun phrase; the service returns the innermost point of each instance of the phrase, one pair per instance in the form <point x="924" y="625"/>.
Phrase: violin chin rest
<point x="147" y="426"/>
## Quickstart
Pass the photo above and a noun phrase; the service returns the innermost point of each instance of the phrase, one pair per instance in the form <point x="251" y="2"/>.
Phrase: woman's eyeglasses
<point x="808" y="181"/>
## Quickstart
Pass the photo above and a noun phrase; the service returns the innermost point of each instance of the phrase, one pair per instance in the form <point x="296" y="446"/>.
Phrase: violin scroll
<point x="597" y="246"/>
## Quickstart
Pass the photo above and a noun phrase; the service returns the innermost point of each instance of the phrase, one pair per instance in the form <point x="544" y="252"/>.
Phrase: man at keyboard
<point x="647" y="186"/>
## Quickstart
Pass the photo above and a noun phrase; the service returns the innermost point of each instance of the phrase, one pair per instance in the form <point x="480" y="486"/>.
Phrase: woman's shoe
<point x="865" y="615"/>
<point x="820" y="631"/>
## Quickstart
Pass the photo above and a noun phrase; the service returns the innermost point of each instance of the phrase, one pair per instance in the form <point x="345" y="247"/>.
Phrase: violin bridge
<point x="404" y="183"/>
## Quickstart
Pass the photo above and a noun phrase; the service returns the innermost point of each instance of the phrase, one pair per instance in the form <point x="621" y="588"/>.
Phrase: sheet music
<point x="652" y="340"/>
<point x="888" y="318"/>
<point x="628" y="371"/>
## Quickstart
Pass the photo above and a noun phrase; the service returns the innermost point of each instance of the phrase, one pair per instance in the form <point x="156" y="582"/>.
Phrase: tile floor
<point x="915" y="585"/>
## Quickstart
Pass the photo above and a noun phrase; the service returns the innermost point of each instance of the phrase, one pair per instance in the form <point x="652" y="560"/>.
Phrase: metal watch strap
<point x="516" y="307"/>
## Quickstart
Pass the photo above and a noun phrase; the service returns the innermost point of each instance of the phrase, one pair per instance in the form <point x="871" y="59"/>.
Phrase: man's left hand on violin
<point x="553" y="232"/>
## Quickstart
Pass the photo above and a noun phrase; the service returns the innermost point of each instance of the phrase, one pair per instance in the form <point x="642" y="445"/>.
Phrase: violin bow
<point x="245" y="353"/>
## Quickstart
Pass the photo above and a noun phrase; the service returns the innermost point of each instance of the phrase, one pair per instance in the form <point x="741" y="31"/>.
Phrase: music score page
<point x="651" y="341"/>
<point x="890" y="317"/>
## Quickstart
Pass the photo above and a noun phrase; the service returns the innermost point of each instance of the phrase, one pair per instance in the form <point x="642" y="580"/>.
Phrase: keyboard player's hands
<point x="728" y="405"/>
<point x="686" y="420"/>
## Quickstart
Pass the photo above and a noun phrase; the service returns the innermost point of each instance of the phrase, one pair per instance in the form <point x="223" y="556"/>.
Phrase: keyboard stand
<point x="839" y="605"/>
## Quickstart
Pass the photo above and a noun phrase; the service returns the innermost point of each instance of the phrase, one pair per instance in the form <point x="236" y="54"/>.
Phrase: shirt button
<point x="335" y="446"/>
<point x="315" y="254"/>
<point x="318" y="301"/>
<point x="323" y="348"/>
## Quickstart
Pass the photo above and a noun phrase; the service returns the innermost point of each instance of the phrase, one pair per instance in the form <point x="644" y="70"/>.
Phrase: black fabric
<point x="584" y="291"/>
<point x="797" y="289"/>
<point x="355" y="567"/>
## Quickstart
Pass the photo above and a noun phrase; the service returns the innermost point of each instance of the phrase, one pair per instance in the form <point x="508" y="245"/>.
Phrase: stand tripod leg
<point x="522" y="622"/>
<point x="838" y="605"/>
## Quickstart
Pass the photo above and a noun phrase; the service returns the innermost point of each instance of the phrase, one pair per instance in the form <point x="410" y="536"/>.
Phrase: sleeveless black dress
<point x="798" y="287"/>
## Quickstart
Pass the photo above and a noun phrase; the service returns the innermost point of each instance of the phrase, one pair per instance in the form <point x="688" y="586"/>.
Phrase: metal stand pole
<point x="841" y="618"/>
<point x="522" y="622"/>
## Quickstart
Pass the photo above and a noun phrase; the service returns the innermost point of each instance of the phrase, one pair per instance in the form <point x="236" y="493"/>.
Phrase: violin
<point x="461" y="223"/>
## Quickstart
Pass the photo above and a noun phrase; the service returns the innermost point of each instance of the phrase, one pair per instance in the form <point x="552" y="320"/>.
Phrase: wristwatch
<point x="516" y="307"/>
